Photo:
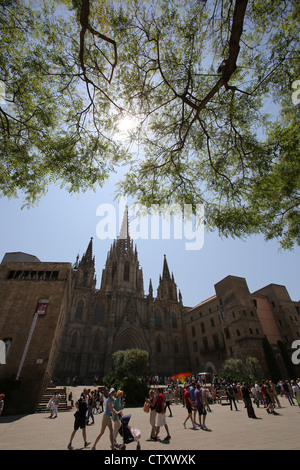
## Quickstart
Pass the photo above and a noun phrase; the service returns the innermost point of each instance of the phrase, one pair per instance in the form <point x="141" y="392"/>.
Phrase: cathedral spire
<point x="124" y="231"/>
<point x="167" y="287"/>
<point x="87" y="258"/>
<point x="166" y="272"/>
<point x="85" y="268"/>
<point x="150" y="295"/>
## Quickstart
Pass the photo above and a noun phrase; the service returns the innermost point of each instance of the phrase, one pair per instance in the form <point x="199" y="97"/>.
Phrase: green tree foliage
<point x="205" y="77"/>
<point x="210" y="83"/>
<point x="45" y="128"/>
<point x="253" y="369"/>
<point x="129" y="366"/>
<point x="242" y="371"/>
<point x="131" y="363"/>
<point x="233" y="370"/>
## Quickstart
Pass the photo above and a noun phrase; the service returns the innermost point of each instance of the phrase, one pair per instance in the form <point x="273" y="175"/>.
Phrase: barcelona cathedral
<point x="55" y="324"/>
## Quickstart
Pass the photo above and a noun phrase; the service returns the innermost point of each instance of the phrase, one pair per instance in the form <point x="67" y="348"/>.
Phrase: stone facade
<point x="120" y="316"/>
<point x="83" y="326"/>
<point x="234" y="322"/>
<point x="23" y="285"/>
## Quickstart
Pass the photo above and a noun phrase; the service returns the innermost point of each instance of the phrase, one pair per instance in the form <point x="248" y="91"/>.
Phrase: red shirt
<point x="160" y="403"/>
<point x="187" y="398"/>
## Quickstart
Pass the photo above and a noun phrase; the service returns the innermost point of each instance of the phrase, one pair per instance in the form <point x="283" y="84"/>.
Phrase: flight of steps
<point x="49" y="392"/>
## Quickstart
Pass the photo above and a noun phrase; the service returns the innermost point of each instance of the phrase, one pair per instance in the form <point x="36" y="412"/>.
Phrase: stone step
<point x="48" y="394"/>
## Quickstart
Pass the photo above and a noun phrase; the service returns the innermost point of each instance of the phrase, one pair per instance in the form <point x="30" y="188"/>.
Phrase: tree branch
<point x="85" y="26"/>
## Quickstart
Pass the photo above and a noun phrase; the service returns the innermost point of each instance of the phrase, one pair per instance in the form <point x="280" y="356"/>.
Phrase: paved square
<point x="227" y="430"/>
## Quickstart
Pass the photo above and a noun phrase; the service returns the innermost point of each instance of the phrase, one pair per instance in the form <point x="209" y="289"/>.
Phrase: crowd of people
<point x="195" y="395"/>
<point x="89" y="401"/>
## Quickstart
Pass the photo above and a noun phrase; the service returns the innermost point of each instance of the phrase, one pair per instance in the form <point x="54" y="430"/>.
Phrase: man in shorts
<point x="161" y="415"/>
<point x="80" y="419"/>
<point x="200" y="406"/>
<point x="189" y="407"/>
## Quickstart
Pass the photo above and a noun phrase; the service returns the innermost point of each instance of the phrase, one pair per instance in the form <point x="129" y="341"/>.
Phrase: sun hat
<point x="111" y="391"/>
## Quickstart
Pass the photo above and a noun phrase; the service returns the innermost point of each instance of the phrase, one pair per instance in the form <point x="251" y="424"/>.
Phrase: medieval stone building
<point x="55" y="323"/>
<point x="120" y="316"/>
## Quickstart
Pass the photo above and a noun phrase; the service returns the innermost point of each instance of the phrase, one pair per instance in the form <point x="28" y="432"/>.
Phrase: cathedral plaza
<point x="226" y="430"/>
<point x="55" y="324"/>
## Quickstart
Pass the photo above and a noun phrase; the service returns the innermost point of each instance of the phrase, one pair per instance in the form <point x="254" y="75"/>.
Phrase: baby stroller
<point x="128" y="433"/>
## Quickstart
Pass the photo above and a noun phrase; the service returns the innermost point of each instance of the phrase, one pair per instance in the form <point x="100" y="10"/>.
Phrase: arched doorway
<point x="130" y="338"/>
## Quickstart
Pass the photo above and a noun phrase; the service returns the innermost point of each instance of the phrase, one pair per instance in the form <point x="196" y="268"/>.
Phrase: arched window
<point x="79" y="310"/>
<point x="126" y="271"/>
<point x="74" y="340"/>
<point x="176" y="349"/>
<point x="158" y="346"/>
<point x="174" y="320"/>
<point x="158" y="320"/>
<point x="99" y="313"/>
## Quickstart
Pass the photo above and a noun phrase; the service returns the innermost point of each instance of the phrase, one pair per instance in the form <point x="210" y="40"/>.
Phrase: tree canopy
<point x="242" y="371"/>
<point x="131" y="363"/>
<point x="210" y="84"/>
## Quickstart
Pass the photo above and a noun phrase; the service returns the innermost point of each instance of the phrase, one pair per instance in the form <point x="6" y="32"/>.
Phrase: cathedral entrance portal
<point x="130" y="338"/>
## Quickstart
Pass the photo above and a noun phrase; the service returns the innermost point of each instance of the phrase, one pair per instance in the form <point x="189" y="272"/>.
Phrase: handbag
<point x="146" y="407"/>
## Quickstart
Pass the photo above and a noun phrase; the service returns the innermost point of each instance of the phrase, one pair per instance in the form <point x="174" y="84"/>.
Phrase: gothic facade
<point x="83" y="325"/>
<point x="121" y="316"/>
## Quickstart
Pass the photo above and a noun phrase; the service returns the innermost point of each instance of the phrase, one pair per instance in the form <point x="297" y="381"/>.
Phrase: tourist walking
<point x="192" y="395"/>
<point x="265" y="391"/>
<point x="296" y="391"/>
<point x="54" y="402"/>
<point x="286" y="390"/>
<point x="168" y="401"/>
<point x="230" y="395"/>
<point x="70" y="398"/>
<point x="91" y="403"/>
<point x="247" y="400"/>
<point x="189" y="407"/>
<point x="273" y="393"/>
<point x="255" y="395"/>
<point x="106" y="420"/>
<point x="80" y="419"/>
<point x="205" y="394"/>
<point x="152" y="404"/>
<point x="200" y="406"/>
<point x="118" y="406"/>
<point x="161" y="415"/>
<point x="101" y="401"/>
<point x="258" y="394"/>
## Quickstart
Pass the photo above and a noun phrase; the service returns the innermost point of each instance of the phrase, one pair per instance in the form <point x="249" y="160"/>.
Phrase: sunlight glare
<point x="127" y="124"/>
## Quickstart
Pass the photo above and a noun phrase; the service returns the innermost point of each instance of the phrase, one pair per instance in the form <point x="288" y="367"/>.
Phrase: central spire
<point x="124" y="231"/>
<point x="122" y="272"/>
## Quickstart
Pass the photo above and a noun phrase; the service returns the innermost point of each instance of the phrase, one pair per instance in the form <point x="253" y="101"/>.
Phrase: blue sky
<point x="61" y="225"/>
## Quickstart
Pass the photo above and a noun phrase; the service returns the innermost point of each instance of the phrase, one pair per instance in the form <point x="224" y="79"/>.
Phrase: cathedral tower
<point x="122" y="272"/>
<point x="167" y="289"/>
<point x="84" y="269"/>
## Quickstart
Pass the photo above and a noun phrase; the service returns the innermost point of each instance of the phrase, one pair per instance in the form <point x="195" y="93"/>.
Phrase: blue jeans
<point x="290" y="398"/>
